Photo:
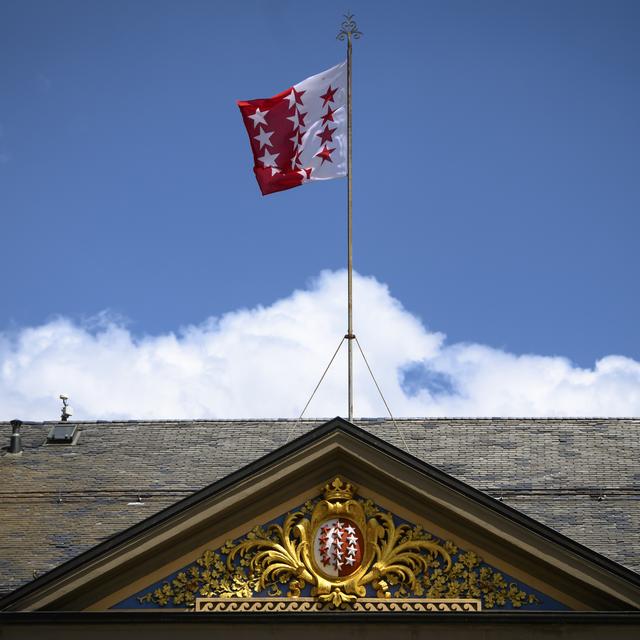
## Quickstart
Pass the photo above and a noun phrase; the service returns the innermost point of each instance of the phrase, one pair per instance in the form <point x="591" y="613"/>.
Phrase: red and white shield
<point x="338" y="547"/>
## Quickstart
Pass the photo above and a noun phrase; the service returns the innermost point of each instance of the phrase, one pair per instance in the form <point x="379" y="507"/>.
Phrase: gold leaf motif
<point x="398" y="562"/>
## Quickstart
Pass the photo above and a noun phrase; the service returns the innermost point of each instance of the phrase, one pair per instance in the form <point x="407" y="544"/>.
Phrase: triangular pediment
<point x="269" y="533"/>
<point x="339" y="550"/>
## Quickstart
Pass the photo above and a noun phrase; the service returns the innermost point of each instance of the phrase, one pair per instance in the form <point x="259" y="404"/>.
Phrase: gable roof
<point x="336" y="444"/>
<point x="75" y="497"/>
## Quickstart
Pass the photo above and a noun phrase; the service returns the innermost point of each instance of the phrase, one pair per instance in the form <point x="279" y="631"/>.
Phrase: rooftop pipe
<point x="15" y="446"/>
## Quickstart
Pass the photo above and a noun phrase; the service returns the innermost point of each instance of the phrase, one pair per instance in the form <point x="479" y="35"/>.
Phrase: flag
<point x="299" y="135"/>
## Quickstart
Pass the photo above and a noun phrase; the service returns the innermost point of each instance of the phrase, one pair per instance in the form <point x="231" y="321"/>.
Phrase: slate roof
<point x="580" y="477"/>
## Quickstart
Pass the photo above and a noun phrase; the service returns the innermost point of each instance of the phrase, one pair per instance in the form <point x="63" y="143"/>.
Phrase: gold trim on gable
<point x="363" y="605"/>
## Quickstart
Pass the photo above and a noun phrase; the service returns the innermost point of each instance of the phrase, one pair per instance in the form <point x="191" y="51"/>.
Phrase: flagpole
<point x="349" y="30"/>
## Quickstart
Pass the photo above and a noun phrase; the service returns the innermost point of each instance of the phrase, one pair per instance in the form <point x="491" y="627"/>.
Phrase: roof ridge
<point x="322" y="420"/>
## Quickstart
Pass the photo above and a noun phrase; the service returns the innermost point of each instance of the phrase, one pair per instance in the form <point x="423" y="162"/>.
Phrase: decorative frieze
<point x="363" y="605"/>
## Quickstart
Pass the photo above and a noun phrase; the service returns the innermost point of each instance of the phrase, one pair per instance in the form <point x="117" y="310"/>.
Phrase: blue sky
<point x="496" y="180"/>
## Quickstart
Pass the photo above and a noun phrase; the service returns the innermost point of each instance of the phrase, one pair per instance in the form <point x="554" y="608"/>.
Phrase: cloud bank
<point x="264" y="362"/>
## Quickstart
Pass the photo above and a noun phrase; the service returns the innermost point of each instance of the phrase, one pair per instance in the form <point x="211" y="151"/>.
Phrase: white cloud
<point x="264" y="362"/>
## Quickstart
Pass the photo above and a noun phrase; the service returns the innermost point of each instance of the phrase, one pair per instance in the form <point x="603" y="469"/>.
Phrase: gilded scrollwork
<point x="340" y="550"/>
<point x="365" y="605"/>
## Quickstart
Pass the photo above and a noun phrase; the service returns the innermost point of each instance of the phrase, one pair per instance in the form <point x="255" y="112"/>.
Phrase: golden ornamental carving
<point x="365" y="605"/>
<point x="293" y="552"/>
<point x="338" y="552"/>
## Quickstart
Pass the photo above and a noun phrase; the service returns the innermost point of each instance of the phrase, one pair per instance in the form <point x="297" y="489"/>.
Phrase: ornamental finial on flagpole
<point x="348" y="28"/>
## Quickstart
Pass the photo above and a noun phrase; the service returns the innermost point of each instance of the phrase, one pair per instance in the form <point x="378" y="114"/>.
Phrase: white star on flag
<point x="295" y="120"/>
<point x="264" y="137"/>
<point x="259" y="118"/>
<point x="269" y="159"/>
<point x="291" y="97"/>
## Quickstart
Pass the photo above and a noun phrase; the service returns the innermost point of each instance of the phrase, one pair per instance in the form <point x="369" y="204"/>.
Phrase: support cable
<point x="297" y="422"/>
<point x="395" y="424"/>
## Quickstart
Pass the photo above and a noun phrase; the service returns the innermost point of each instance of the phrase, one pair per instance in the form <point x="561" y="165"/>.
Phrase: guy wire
<point x="395" y="424"/>
<point x="295" y="424"/>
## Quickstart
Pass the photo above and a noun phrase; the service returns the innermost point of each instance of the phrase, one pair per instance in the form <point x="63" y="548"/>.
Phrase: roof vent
<point x="15" y="446"/>
<point x="63" y="434"/>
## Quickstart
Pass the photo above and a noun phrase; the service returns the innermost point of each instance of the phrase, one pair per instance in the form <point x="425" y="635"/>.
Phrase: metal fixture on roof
<point x="67" y="411"/>
<point x="15" y="446"/>
<point x="63" y="434"/>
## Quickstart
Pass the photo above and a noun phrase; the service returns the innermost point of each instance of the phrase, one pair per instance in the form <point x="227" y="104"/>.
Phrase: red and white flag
<point x="299" y="135"/>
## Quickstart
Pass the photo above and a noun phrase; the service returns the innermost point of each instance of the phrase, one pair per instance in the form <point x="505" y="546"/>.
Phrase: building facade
<point x="455" y="527"/>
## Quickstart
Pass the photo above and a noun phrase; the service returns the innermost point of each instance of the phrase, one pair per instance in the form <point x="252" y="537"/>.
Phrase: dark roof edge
<point x="182" y="617"/>
<point x="325" y="419"/>
<point x="301" y="442"/>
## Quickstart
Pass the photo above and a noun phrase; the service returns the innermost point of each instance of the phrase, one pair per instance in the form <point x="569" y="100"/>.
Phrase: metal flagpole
<point x="349" y="30"/>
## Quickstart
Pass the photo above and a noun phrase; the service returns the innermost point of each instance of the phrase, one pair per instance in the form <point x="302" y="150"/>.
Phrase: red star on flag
<point x="328" y="96"/>
<point x="326" y="135"/>
<point x="328" y="116"/>
<point x="325" y="154"/>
